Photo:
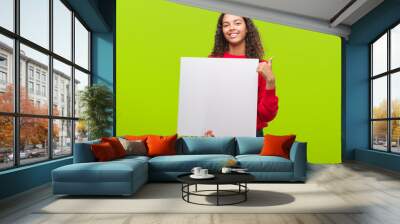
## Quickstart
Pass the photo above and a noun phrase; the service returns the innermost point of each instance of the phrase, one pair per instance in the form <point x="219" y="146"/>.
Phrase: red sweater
<point x="267" y="101"/>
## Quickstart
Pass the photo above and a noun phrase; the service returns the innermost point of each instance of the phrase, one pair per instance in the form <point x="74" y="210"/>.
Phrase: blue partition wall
<point x="357" y="85"/>
<point x="99" y="15"/>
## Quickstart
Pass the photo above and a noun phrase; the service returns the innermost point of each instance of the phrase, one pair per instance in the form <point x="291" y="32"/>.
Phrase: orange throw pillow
<point x="277" y="145"/>
<point x="103" y="152"/>
<point x="161" y="145"/>
<point x="134" y="137"/>
<point x="116" y="145"/>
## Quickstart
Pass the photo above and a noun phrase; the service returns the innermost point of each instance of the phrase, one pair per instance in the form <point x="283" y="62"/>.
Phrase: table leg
<point x="196" y="188"/>
<point x="188" y="190"/>
<point x="217" y="194"/>
<point x="245" y="193"/>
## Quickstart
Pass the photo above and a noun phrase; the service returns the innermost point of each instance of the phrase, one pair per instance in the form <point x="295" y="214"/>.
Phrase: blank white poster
<point x="218" y="94"/>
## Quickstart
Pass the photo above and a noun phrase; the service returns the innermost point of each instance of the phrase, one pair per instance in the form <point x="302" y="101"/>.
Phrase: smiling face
<point x="234" y="29"/>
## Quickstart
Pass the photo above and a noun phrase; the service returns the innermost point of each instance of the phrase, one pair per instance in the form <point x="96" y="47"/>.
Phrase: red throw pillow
<point x="116" y="145"/>
<point x="277" y="145"/>
<point x="103" y="151"/>
<point x="161" y="145"/>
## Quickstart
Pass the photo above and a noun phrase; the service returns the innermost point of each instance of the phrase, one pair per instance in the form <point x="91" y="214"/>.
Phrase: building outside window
<point x="34" y="75"/>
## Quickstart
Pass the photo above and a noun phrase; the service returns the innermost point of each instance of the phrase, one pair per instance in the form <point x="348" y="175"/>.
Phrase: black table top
<point x="220" y="178"/>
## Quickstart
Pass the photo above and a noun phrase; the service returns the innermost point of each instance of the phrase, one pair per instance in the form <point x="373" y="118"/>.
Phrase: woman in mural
<point x="238" y="37"/>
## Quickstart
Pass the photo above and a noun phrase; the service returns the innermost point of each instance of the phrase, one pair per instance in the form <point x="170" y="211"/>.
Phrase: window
<point x="33" y="149"/>
<point x="37" y="75"/>
<point x="6" y="74"/>
<point x="6" y="142"/>
<point x="30" y="72"/>
<point x="62" y="143"/>
<point x="3" y="61"/>
<point x="395" y="47"/>
<point x="7" y="14"/>
<point x="44" y="91"/>
<point x="385" y="91"/>
<point x="37" y="89"/>
<point x="30" y="87"/>
<point x="62" y="29"/>
<point x="81" y="81"/>
<point x="3" y="78"/>
<point x="81" y="45"/>
<point x="34" y="21"/>
<point x="62" y="74"/>
<point x="47" y="74"/>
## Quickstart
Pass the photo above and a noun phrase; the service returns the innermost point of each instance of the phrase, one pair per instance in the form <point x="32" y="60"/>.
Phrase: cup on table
<point x="203" y="172"/>
<point x="196" y="171"/>
<point x="226" y="170"/>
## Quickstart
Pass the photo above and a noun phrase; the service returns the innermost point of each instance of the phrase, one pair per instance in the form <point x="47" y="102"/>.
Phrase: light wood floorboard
<point x="377" y="189"/>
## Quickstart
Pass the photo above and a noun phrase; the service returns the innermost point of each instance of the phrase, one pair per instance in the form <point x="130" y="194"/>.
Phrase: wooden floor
<point x="377" y="188"/>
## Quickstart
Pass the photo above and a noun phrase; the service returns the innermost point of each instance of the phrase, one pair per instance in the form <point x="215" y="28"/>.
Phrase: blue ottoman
<point x="118" y="177"/>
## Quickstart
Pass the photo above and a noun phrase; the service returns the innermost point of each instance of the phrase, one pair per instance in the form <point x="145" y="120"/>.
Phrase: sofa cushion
<point x="249" y="145"/>
<point x="161" y="145"/>
<point x="134" y="147"/>
<point x="132" y="158"/>
<point x="185" y="163"/>
<point x="103" y="151"/>
<point x="257" y="163"/>
<point x="277" y="145"/>
<point x="83" y="152"/>
<point x="111" y="171"/>
<point x="207" y="145"/>
<point x="116" y="145"/>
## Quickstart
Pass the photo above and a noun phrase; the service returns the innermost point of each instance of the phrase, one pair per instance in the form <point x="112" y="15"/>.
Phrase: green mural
<point x="152" y="36"/>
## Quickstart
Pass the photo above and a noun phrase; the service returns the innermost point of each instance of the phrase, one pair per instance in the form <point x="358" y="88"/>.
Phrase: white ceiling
<point x="326" y="16"/>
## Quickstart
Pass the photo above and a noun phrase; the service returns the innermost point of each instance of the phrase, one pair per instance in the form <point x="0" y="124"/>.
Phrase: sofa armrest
<point x="298" y="155"/>
<point x="83" y="152"/>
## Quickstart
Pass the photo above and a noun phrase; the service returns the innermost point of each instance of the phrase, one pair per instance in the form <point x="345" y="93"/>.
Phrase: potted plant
<point x="96" y="102"/>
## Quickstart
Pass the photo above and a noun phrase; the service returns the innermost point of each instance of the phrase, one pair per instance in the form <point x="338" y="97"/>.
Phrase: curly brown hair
<point x="254" y="48"/>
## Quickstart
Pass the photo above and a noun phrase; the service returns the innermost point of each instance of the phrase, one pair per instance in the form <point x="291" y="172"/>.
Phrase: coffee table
<point x="238" y="179"/>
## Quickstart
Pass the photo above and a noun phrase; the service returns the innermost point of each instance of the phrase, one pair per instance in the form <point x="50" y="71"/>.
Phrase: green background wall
<point x="153" y="35"/>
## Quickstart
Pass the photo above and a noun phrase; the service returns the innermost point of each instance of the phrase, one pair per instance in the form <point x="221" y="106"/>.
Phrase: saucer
<point x="208" y="176"/>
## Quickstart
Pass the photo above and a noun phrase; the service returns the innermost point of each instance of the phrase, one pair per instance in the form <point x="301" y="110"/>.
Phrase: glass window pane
<point x="6" y="142"/>
<point x="34" y="77"/>
<point x="395" y="47"/>
<point x="62" y="29"/>
<point x="81" y="45"/>
<point x="6" y="74"/>
<point x="379" y="135"/>
<point x="33" y="140"/>
<point x="7" y="14"/>
<point x="62" y="89"/>
<point x="395" y="132"/>
<point x="62" y="138"/>
<point x="379" y="55"/>
<point x="81" y="81"/>
<point x="81" y="131"/>
<point x="379" y="98"/>
<point x="35" y="21"/>
<point x="395" y="94"/>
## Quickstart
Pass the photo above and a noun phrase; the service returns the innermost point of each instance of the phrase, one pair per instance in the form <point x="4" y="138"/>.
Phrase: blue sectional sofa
<point x="125" y="176"/>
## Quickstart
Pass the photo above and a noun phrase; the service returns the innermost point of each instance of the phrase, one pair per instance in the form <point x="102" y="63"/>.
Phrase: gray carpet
<point x="166" y="198"/>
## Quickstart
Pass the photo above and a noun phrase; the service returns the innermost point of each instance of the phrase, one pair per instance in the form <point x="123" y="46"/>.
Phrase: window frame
<point x="15" y="72"/>
<point x="388" y="74"/>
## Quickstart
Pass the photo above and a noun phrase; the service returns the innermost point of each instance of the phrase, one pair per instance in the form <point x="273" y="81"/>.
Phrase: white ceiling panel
<point x="326" y="16"/>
